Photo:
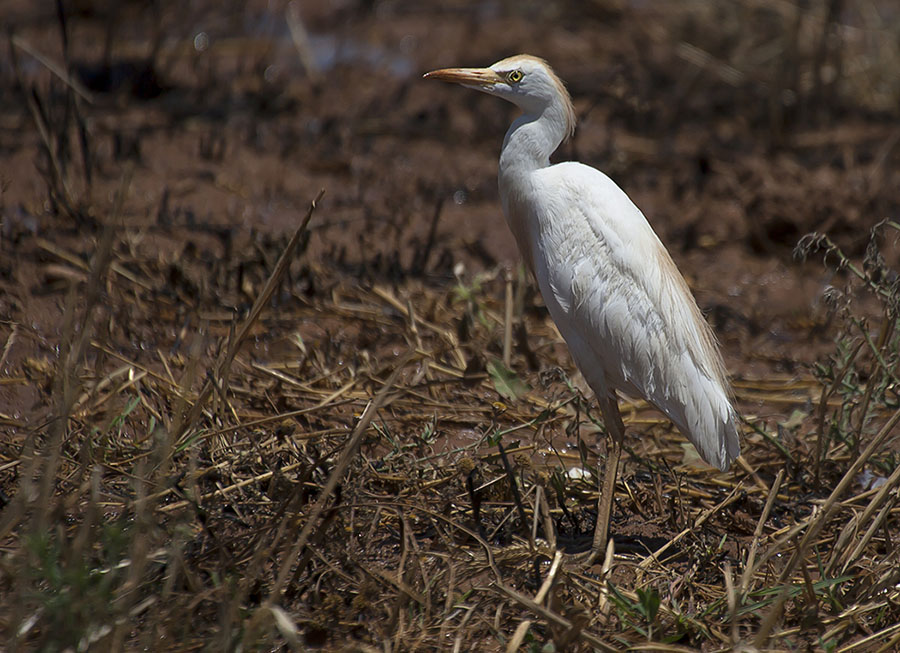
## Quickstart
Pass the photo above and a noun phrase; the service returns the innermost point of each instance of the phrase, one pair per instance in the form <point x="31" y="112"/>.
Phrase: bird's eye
<point x="514" y="76"/>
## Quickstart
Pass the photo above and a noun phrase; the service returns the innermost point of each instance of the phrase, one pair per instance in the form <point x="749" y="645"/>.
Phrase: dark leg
<point x="609" y="408"/>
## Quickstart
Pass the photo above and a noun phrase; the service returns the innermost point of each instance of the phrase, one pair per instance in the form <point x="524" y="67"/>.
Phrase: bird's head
<point x="526" y="81"/>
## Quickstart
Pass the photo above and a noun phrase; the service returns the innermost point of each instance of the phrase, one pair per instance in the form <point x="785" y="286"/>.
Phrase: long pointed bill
<point x="480" y="78"/>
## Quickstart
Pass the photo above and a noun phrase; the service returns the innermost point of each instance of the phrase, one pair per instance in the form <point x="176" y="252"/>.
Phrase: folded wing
<point x="625" y="311"/>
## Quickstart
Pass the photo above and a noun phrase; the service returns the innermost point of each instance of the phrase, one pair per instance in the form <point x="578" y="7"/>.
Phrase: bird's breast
<point x="556" y="245"/>
<point x="521" y="218"/>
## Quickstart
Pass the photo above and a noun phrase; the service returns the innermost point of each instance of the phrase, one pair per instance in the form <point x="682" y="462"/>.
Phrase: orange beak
<point x="466" y="76"/>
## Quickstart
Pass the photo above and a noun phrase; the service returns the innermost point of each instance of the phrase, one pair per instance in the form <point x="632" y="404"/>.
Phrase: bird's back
<point x="616" y="296"/>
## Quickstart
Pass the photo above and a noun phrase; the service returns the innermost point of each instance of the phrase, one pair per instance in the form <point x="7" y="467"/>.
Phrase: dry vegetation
<point x="219" y="437"/>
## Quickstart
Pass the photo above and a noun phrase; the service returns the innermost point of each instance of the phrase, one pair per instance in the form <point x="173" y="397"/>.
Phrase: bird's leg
<point x="609" y="408"/>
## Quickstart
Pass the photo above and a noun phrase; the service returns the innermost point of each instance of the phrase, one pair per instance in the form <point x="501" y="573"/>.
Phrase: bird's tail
<point x="709" y="421"/>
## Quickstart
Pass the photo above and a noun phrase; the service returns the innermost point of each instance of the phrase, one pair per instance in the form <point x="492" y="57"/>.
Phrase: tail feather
<point x="707" y="418"/>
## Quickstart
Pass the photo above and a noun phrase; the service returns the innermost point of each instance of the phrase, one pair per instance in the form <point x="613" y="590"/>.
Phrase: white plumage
<point x="617" y="299"/>
<point x="611" y="287"/>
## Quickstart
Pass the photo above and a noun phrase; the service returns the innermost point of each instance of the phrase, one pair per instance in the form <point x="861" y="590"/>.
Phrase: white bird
<point x="610" y="286"/>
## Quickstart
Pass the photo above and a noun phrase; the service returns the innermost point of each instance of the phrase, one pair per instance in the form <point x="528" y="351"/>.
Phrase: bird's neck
<point x="530" y="141"/>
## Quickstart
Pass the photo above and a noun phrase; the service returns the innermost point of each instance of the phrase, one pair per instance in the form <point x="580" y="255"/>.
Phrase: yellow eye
<point x="514" y="76"/>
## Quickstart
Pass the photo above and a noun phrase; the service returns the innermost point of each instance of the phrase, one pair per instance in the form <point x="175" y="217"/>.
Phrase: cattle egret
<point x="609" y="284"/>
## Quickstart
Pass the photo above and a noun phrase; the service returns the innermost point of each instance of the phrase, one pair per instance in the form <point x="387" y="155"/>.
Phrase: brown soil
<point x="219" y="137"/>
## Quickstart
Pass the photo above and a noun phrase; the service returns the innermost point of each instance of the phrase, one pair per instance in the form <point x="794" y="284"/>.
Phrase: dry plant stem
<point x="508" y="319"/>
<point x="54" y="68"/>
<point x="554" y="619"/>
<point x="655" y="556"/>
<point x="884" y="492"/>
<point x="416" y="342"/>
<point x="844" y="263"/>
<point x="336" y="474"/>
<point x="549" y="527"/>
<point x="67" y="199"/>
<point x="775" y="550"/>
<point x="891" y="645"/>
<point x="14" y="512"/>
<point x="518" y="637"/>
<point x="603" y="605"/>
<point x="874" y="637"/>
<point x="128" y="592"/>
<point x="449" y="595"/>
<point x="418" y="558"/>
<point x="81" y="540"/>
<point x="263" y="551"/>
<point x="397" y="582"/>
<point x="488" y="552"/>
<point x="887" y="328"/>
<point x="731" y="597"/>
<point x="609" y="407"/>
<point x="421" y="256"/>
<point x="262" y="299"/>
<point x="300" y="38"/>
<point x="536" y="515"/>
<point x="870" y="532"/>
<point x="10" y="340"/>
<point x="447" y="334"/>
<point x="461" y="630"/>
<point x="508" y="516"/>
<point x="815" y="527"/>
<point x="75" y="340"/>
<point x="752" y="472"/>
<point x="550" y="581"/>
<point x="706" y="61"/>
<point x="876" y="348"/>
<point x="751" y="556"/>
<point x="514" y="490"/>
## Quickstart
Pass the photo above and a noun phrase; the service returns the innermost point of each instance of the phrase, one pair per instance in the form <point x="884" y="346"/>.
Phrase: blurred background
<point x="736" y="127"/>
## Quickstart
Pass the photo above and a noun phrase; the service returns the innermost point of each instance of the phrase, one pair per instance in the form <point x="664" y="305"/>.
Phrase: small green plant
<point x="648" y="606"/>
<point x="472" y="295"/>
<point x="73" y="596"/>
<point x="862" y="370"/>
<point x="639" y="615"/>
<point x="507" y="384"/>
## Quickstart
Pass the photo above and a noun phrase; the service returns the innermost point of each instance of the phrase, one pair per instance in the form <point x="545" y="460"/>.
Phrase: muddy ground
<point x="194" y="137"/>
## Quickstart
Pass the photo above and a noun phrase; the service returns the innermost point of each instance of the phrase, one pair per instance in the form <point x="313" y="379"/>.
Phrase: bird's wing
<point x="624" y="308"/>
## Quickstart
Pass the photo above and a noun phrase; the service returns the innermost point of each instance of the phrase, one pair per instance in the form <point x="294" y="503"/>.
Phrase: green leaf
<point x="506" y="383"/>
<point x="795" y="420"/>
<point x="130" y="406"/>
<point x="648" y="603"/>
<point x="690" y="457"/>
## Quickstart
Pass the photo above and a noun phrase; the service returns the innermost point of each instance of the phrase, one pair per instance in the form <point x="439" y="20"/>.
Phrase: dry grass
<point x="260" y="450"/>
<point x="397" y="495"/>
